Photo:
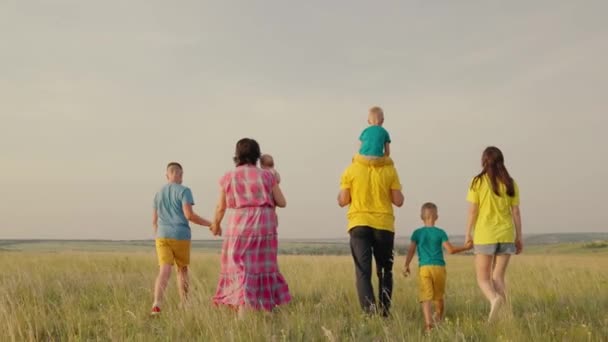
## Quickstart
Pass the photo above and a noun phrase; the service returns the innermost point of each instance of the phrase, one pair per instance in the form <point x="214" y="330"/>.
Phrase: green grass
<point x="106" y="296"/>
<point x="599" y="248"/>
<point x="587" y="244"/>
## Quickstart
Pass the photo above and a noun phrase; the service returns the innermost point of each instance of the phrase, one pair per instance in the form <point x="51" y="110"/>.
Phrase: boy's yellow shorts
<point x="171" y="251"/>
<point x="431" y="283"/>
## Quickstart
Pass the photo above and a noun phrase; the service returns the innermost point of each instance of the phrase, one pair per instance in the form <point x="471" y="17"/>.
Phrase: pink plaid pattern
<point x="250" y="273"/>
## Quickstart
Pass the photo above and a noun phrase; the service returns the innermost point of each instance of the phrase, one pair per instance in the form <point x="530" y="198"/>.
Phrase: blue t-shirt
<point x="373" y="139"/>
<point x="429" y="244"/>
<point x="168" y="202"/>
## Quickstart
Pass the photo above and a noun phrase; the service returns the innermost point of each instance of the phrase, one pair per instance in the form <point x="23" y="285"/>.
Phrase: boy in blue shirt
<point x="171" y="221"/>
<point x="428" y="241"/>
<point x="375" y="140"/>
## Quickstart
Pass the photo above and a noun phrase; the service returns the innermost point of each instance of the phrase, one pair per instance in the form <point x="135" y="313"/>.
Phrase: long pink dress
<point x="250" y="274"/>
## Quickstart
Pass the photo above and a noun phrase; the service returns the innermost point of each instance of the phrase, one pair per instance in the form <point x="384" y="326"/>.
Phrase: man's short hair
<point x="174" y="166"/>
<point x="428" y="209"/>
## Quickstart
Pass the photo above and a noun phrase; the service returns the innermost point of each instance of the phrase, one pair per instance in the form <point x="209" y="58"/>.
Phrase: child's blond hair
<point x="267" y="160"/>
<point x="429" y="211"/>
<point x="376" y="116"/>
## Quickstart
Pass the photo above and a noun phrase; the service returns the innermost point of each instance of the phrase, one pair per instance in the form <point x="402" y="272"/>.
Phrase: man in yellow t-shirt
<point x="370" y="187"/>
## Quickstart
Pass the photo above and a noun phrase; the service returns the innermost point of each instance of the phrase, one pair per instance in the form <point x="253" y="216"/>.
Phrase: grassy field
<point x="103" y="296"/>
<point x="540" y="243"/>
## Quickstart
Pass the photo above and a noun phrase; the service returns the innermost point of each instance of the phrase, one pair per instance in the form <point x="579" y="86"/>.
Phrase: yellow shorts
<point x="171" y="251"/>
<point x="431" y="283"/>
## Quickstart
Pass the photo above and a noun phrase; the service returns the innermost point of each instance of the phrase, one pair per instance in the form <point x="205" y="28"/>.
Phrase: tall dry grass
<point x="107" y="296"/>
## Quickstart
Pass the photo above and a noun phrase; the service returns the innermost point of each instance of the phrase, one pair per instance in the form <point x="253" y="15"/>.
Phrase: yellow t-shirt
<point x="494" y="221"/>
<point x="370" y="183"/>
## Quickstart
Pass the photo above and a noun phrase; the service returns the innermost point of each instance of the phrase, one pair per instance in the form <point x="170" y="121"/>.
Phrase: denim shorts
<point x="495" y="248"/>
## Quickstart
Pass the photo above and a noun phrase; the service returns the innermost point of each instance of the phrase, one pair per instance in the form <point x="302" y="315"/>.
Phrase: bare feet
<point x="496" y="305"/>
<point x="437" y="318"/>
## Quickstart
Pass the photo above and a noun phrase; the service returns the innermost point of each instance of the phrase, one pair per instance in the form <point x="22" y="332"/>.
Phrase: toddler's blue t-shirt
<point x="373" y="139"/>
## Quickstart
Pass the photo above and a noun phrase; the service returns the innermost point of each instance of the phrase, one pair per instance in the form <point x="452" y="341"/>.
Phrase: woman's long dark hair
<point x="247" y="152"/>
<point x="493" y="163"/>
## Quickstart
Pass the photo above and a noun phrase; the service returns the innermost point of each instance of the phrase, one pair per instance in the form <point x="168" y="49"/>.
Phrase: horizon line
<point x="284" y="239"/>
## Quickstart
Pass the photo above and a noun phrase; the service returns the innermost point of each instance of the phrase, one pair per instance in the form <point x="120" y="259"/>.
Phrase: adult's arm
<point x="278" y="177"/>
<point x="279" y="198"/>
<point x="220" y="211"/>
<point x="344" y="198"/>
<point x="471" y="220"/>
<point x="397" y="198"/>
<point x="193" y="217"/>
<point x="519" y="239"/>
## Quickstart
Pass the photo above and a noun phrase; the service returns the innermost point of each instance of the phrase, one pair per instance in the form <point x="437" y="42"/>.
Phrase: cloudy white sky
<point x="96" y="98"/>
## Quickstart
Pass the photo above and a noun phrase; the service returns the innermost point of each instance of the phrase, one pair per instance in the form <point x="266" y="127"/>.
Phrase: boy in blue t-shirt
<point x="428" y="241"/>
<point x="375" y="140"/>
<point x="171" y="219"/>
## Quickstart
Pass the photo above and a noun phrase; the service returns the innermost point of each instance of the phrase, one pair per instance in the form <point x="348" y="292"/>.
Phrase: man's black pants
<point x="366" y="242"/>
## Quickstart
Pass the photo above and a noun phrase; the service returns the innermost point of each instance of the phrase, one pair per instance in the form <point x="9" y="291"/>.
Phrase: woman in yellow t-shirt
<point x="495" y="221"/>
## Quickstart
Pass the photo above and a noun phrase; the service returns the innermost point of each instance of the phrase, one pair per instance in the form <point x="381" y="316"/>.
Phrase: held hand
<point x="519" y="245"/>
<point x="468" y="245"/>
<point x="216" y="230"/>
<point x="468" y="239"/>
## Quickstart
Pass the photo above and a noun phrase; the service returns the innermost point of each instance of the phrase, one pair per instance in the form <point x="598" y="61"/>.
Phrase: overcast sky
<point x="97" y="97"/>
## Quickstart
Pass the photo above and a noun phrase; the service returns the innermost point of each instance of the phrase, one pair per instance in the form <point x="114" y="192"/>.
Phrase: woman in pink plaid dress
<point x="250" y="277"/>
